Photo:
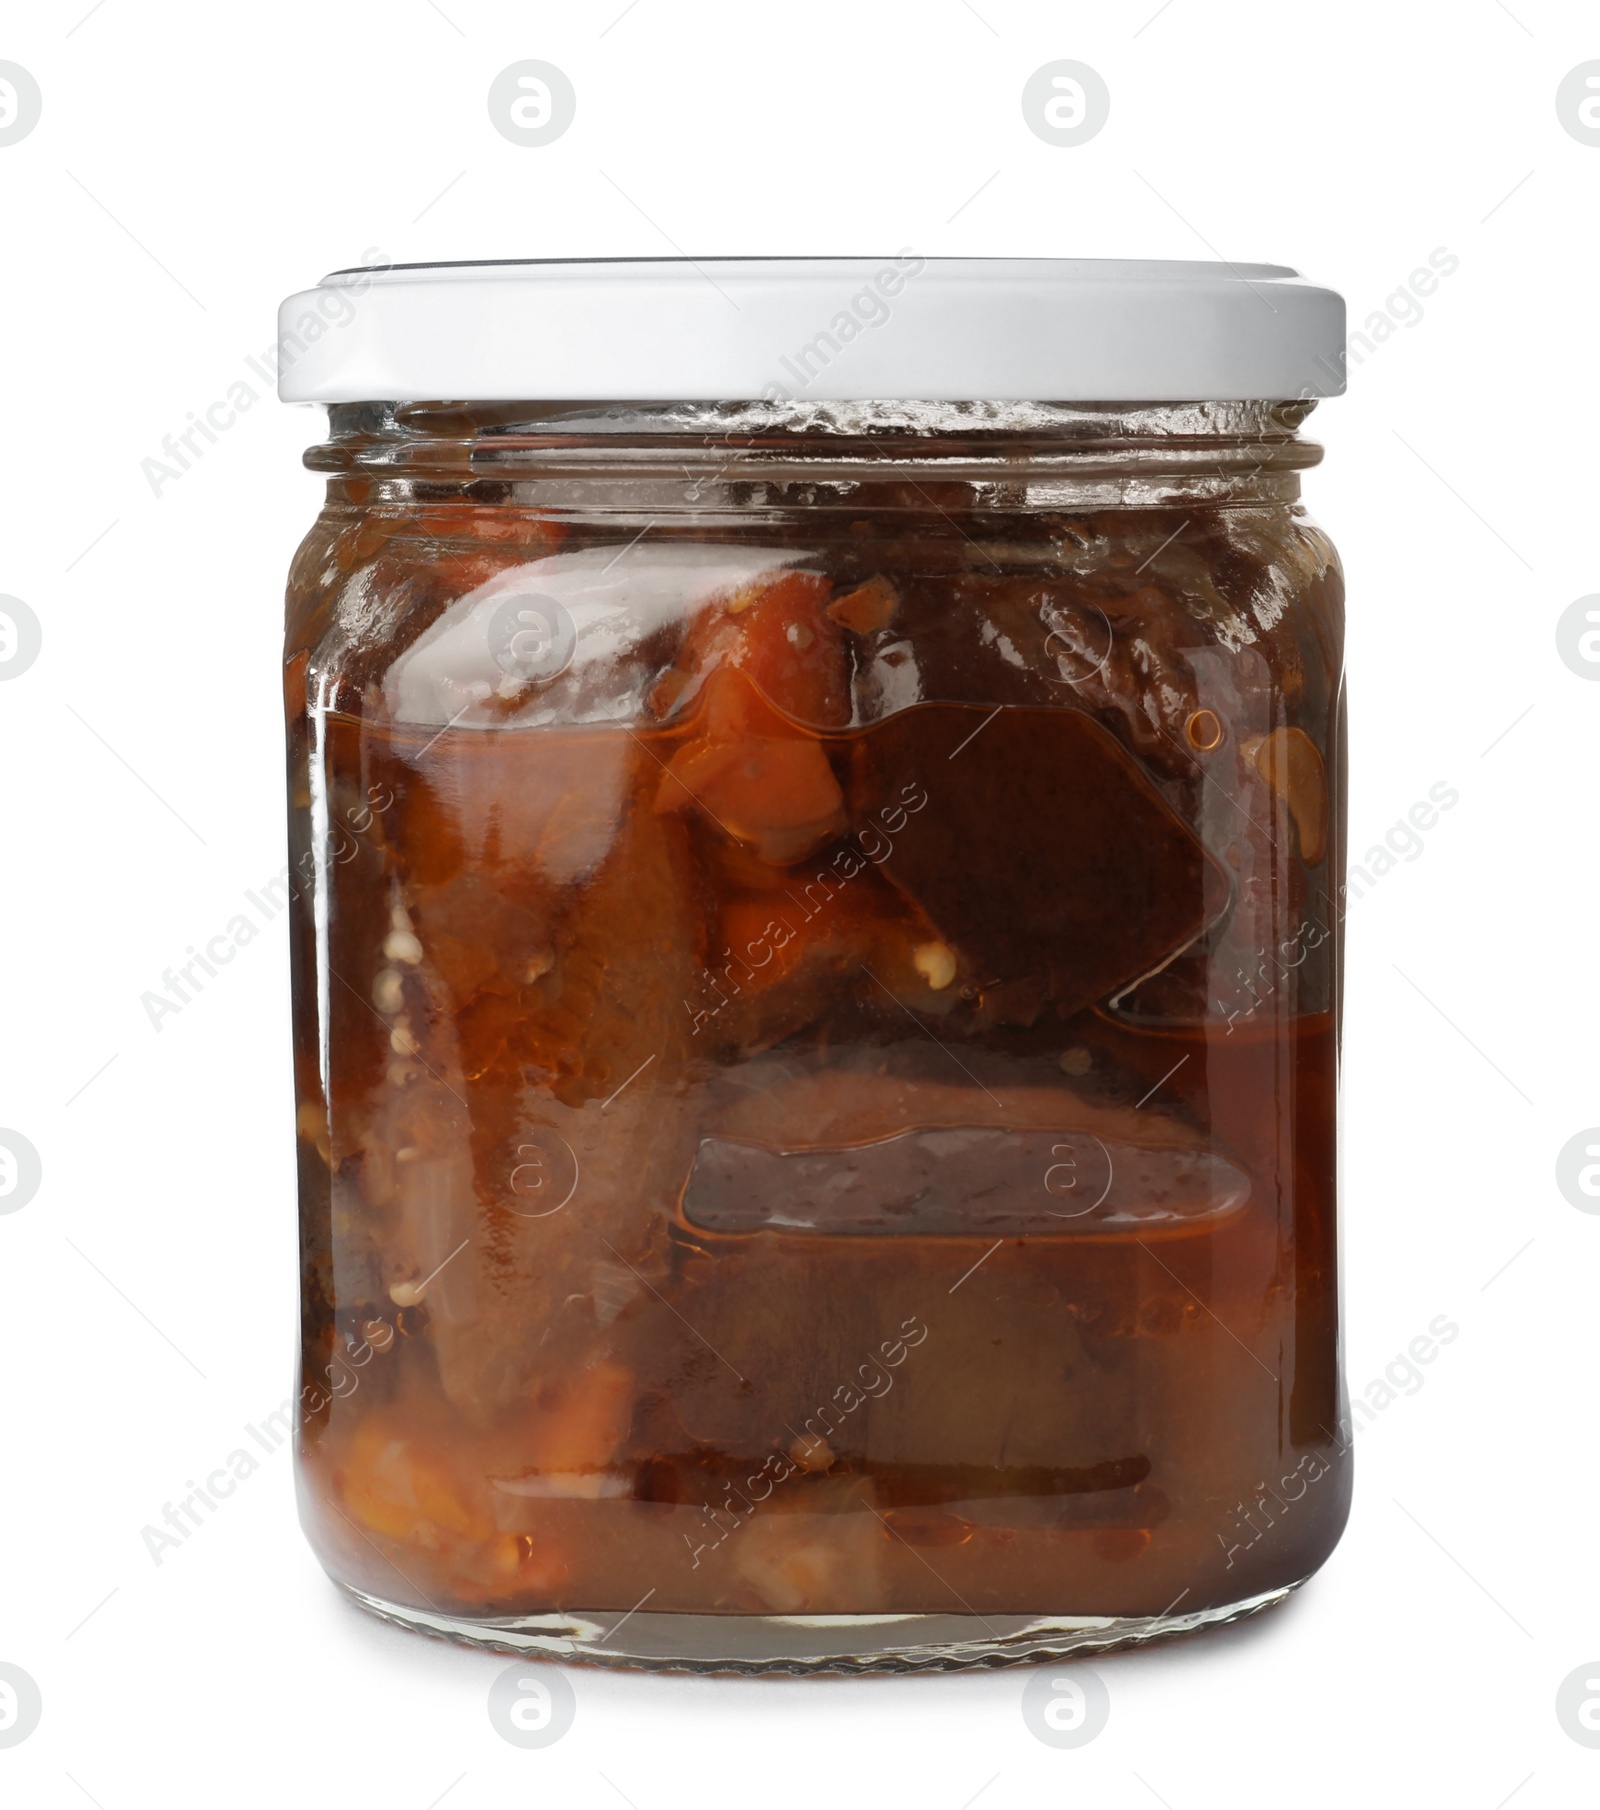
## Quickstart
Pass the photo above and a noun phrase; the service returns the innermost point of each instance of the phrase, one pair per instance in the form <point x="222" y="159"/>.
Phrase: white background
<point x="196" y="162"/>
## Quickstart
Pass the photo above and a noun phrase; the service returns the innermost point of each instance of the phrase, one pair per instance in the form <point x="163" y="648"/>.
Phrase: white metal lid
<point x="813" y="329"/>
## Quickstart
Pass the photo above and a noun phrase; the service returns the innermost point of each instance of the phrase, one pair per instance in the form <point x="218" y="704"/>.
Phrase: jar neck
<point x="682" y="456"/>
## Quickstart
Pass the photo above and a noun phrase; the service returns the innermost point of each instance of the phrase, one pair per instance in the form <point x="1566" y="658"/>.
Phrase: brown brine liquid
<point x="824" y="1104"/>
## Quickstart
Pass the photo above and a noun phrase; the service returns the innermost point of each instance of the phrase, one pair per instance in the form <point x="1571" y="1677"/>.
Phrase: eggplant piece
<point x="1043" y="854"/>
<point x="536" y="1100"/>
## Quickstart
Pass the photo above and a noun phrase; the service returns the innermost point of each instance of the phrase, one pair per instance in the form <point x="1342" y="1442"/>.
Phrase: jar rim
<point x="1235" y="450"/>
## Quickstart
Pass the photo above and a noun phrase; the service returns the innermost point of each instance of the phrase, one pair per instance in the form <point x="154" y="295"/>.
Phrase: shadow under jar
<point x="817" y="967"/>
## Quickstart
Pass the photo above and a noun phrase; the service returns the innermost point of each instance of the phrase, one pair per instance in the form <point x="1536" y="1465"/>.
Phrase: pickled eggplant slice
<point x="961" y="1181"/>
<point x="1044" y="856"/>
<point x="535" y="1103"/>
<point x="851" y="1152"/>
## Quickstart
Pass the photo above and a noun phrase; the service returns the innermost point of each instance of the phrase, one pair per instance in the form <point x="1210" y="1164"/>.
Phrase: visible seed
<point x="406" y="1294"/>
<point x="798" y="635"/>
<point x="936" y="963"/>
<point x="402" y="946"/>
<point x="388" y="995"/>
<point x="1076" y="1061"/>
<point x="400" y="1039"/>
<point x="408" y="1154"/>
<point x="400" y="1073"/>
<point x="539" y="964"/>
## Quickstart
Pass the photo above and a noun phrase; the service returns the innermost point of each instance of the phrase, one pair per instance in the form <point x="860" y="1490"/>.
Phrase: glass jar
<point x="817" y="977"/>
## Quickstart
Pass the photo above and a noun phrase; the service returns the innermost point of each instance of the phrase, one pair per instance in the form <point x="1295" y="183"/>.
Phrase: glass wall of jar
<point x="816" y="958"/>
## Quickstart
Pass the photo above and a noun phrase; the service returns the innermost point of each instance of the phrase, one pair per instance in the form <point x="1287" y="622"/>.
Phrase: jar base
<point x="800" y="1644"/>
